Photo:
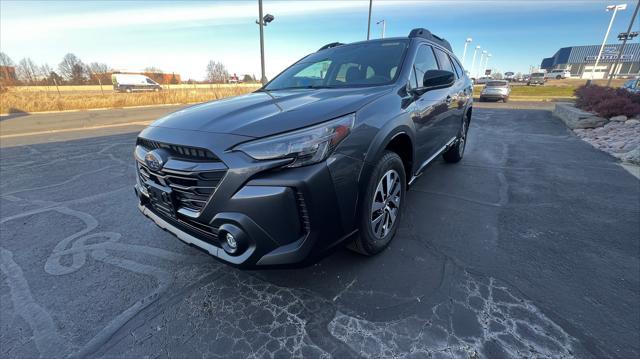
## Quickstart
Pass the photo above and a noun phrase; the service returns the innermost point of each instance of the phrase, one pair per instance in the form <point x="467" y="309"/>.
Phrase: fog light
<point x="231" y="242"/>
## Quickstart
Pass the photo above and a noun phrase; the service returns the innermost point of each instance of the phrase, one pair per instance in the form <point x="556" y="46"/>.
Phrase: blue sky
<point x="183" y="36"/>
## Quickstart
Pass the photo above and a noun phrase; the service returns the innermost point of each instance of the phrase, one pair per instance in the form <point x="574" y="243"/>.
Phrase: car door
<point x="430" y="109"/>
<point x="453" y="97"/>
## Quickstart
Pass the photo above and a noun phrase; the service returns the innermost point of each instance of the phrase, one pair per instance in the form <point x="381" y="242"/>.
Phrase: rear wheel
<point x="381" y="208"/>
<point x="558" y="77"/>
<point x="455" y="153"/>
<point x="505" y="99"/>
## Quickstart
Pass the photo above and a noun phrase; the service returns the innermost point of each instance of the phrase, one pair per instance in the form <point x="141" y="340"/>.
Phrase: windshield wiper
<point x="301" y="87"/>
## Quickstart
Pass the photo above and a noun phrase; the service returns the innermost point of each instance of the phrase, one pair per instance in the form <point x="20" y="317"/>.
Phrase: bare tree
<point x="72" y="69"/>
<point x="216" y="72"/>
<point x="5" y="60"/>
<point x="28" y="71"/>
<point x="43" y="73"/>
<point x="98" y="72"/>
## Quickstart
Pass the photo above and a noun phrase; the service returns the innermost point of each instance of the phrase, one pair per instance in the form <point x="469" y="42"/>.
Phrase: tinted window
<point x="443" y="60"/>
<point x="458" y="68"/>
<point x="497" y="84"/>
<point x="361" y="64"/>
<point x="425" y="61"/>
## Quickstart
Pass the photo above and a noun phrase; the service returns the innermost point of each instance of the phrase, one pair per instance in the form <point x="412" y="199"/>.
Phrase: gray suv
<point x="321" y="155"/>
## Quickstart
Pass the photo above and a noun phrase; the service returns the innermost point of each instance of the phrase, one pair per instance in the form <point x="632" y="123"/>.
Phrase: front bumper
<point x="283" y="217"/>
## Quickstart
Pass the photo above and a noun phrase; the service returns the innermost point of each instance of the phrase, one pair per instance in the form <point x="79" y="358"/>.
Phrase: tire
<point x="558" y="77"/>
<point x="505" y="99"/>
<point x="456" y="152"/>
<point x="481" y="99"/>
<point x="374" y="237"/>
<point x="128" y="90"/>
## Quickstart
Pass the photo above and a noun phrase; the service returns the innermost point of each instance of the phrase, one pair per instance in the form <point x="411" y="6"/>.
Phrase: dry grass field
<point x="17" y="100"/>
<point x="49" y="98"/>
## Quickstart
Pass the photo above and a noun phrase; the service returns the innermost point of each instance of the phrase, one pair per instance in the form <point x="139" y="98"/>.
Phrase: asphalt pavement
<point x="529" y="247"/>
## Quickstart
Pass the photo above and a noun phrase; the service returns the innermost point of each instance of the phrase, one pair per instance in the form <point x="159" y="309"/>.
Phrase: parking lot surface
<point x="527" y="248"/>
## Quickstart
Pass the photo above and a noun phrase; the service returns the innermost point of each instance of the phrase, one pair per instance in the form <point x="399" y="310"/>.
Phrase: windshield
<point x="364" y="64"/>
<point x="496" y="83"/>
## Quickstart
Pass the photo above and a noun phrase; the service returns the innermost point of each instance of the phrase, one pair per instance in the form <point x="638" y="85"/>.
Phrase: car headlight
<point x="307" y="146"/>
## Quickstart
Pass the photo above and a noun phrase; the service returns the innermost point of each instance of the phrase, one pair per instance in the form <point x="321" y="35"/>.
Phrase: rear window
<point x="496" y="83"/>
<point x="537" y="74"/>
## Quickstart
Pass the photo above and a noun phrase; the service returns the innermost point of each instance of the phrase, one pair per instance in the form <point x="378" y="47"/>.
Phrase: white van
<point x="133" y="82"/>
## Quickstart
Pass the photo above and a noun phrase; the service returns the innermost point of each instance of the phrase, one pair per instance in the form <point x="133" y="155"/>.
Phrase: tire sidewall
<point x="368" y="239"/>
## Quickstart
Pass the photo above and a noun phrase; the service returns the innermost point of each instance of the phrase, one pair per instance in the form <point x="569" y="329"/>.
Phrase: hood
<point x="260" y="114"/>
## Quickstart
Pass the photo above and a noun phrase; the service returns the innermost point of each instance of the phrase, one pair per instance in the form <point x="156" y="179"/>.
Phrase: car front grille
<point x="179" y="151"/>
<point x="191" y="190"/>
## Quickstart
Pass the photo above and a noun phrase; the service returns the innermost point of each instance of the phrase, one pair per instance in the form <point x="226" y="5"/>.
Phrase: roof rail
<point x="426" y="34"/>
<point x="328" y="46"/>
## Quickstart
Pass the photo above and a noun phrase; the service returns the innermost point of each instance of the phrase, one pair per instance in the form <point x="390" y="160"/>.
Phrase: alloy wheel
<point x="386" y="204"/>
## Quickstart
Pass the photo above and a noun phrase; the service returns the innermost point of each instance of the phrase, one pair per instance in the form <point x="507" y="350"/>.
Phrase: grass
<point x="109" y="87"/>
<point x="16" y="101"/>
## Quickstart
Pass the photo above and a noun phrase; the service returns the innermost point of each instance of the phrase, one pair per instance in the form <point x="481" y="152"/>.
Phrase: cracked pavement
<point x="527" y="248"/>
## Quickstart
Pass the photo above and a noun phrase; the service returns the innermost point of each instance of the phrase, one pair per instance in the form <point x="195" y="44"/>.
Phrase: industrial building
<point x="580" y="60"/>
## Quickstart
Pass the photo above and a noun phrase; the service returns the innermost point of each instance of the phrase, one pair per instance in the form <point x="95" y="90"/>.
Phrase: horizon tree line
<point x="72" y="71"/>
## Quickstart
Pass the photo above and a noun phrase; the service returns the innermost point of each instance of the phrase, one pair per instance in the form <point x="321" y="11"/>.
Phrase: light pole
<point x="262" y="21"/>
<point x="384" y="23"/>
<point x="369" y="23"/>
<point x="486" y="62"/>
<point x="484" y="52"/>
<point x="464" y="52"/>
<point x="473" y="60"/>
<point x="627" y="36"/>
<point x="615" y="9"/>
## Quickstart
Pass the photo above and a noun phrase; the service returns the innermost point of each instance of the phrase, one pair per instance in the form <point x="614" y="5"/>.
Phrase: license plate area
<point x="161" y="198"/>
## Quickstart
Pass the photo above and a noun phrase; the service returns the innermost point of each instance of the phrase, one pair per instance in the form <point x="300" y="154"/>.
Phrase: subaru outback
<point x="321" y="155"/>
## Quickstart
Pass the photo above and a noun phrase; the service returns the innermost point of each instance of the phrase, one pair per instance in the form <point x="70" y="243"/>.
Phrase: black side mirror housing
<point x="437" y="79"/>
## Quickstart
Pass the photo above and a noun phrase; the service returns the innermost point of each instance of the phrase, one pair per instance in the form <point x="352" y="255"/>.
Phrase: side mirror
<point x="438" y="79"/>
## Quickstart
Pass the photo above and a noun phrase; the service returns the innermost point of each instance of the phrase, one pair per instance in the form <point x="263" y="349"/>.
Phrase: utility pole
<point x="624" y="42"/>
<point x="260" y="21"/>
<point x="383" y="26"/>
<point x="369" y="23"/>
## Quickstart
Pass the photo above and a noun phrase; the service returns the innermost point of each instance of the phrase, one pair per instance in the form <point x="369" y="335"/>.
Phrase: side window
<point x="425" y="61"/>
<point x="443" y="60"/>
<point x="458" y="68"/>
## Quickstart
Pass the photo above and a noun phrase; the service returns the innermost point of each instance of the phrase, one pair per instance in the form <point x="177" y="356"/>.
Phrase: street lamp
<point x="615" y="9"/>
<point x="262" y="21"/>
<point x="629" y="35"/>
<point x="384" y="23"/>
<point x="473" y="60"/>
<point x="486" y="62"/>
<point x="464" y="52"/>
<point x="484" y="52"/>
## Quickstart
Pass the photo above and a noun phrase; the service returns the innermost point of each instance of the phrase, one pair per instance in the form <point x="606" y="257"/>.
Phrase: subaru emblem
<point x="154" y="160"/>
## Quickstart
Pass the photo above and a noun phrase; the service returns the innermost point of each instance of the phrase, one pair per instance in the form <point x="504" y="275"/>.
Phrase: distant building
<point x="581" y="59"/>
<point x="8" y="75"/>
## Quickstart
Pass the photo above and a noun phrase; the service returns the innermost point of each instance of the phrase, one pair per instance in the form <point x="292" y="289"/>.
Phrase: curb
<point x="95" y="109"/>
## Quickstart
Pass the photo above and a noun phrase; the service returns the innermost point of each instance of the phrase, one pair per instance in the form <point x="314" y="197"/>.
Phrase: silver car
<point x="496" y="90"/>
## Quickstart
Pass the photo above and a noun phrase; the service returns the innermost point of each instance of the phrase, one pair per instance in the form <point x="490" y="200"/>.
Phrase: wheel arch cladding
<point x="402" y="145"/>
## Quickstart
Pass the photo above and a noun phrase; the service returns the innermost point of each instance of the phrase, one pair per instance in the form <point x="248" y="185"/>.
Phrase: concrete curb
<point x="94" y="109"/>
<point x="575" y="118"/>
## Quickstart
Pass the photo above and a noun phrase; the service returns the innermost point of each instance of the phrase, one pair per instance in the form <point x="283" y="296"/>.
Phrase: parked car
<point x="320" y="155"/>
<point x="496" y="90"/>
<point x="483" y="80"/>
<point x="536" y="78"/>
<point x="558" y="74"/>
<point x="133" y="82"/>
<point x="632" y="85"/>
<point x="509" y="76"/>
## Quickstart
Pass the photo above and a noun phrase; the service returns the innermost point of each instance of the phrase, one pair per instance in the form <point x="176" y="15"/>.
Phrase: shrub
<point x="607" y="102"/>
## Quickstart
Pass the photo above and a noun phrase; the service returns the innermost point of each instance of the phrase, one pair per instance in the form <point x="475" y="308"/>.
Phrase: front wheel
<point x="455" y="153"/>
<point x="381" y="207"/>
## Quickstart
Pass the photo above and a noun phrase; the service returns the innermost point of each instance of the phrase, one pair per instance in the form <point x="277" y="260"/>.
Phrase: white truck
<point x="133" y="82"/>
